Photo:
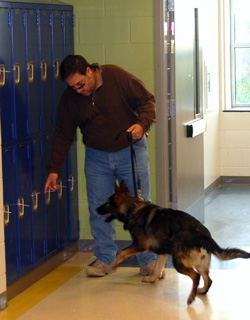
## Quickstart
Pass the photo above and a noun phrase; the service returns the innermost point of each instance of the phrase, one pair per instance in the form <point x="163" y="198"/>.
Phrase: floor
<point x="66" y="293"/>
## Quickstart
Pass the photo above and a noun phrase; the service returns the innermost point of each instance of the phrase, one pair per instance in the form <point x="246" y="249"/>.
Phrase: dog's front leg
<point x="132" y="250"/>
<point x="158" y="272"/>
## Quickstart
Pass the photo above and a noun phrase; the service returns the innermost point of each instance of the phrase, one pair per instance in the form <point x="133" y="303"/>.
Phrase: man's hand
<point x="136" y="130"/>
<point x="51" y="183"/>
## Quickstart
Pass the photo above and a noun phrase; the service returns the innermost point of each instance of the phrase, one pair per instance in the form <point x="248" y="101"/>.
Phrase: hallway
<point x="66" y="293"/>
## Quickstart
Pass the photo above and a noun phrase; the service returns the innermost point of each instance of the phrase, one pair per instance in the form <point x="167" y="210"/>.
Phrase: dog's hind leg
<point x="158" y="272"/>
<point x="188" y="271"/>
<point x="203" y="269"/>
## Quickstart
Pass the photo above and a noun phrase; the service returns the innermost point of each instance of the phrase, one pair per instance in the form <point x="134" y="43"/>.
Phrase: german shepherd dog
<point x="166" y="231"/>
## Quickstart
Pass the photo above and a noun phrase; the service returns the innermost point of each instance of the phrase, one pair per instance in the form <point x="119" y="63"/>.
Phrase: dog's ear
<point x="124" y="187"/>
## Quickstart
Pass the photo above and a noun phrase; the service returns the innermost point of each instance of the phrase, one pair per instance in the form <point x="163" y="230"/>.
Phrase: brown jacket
<point x="121" y="101"/>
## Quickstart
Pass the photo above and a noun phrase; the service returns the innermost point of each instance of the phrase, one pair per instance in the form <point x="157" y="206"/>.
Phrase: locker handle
<point x="44" y="70"/>
<point x="21" y="206"/>
<point x="72" y="184"/>
<point x="56" y="68"/>
<point x="35" y="200"/>
<point x="7" y="212"/>
<point x="17" y="73"/>
<point x="47" y="198"/>
<point x="2" y="75"/>
<point x="31" y="72"/>
<point x="60" y="190"/>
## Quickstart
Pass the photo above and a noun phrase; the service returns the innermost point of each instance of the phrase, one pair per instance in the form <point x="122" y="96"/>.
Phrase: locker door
<point x="33" y="67"/>
<point x="38" y="212"/>
<point x="12" y="239"/>
<point x="6" y="98"/>
<point x="24" y="200"/>
<point x="69" y="32"/>
<point x="63" y="206"/>
<point x="58" y="55"/>
<point x="73" y="193"/>
<point x="20" y="72"/>
<point x="51" y="211"/>
<point x="46" y="77"/>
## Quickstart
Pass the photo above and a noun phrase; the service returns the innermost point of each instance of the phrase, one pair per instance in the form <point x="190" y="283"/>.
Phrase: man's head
<point x="79" y="74"/>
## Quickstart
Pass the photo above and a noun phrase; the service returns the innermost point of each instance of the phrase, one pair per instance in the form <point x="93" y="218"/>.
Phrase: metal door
<point x="179" y="94"/>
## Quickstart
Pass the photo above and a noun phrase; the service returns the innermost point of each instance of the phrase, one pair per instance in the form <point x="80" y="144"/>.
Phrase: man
<point x="102" y="101"/>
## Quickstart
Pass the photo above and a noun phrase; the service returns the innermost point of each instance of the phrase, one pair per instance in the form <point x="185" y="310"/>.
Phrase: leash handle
<point x="133" y="160"/>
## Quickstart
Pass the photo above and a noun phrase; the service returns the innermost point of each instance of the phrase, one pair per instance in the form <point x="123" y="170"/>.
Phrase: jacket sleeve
<point x="142" y="102"/>
<point x="64" y="135"/>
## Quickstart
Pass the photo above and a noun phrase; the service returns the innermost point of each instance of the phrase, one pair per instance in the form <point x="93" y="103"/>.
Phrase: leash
<point x="137" y="184"/>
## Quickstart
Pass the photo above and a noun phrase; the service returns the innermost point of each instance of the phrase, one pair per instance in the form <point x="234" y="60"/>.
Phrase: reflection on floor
<point x="66" y="293"/>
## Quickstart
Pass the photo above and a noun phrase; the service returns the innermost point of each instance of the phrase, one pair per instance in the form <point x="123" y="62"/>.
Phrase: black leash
<point x="137" y="185"/>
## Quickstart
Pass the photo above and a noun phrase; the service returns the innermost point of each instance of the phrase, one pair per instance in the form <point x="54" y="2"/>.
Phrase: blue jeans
<point x="102" y="169"/>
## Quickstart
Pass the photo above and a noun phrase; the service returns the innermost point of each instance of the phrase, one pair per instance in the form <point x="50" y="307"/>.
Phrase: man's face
<point x="83" y="84"/>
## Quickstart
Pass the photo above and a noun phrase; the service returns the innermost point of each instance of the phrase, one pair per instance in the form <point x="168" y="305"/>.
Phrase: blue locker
<point x="72" y="188"/>
<point x="36" y="38"/>
<point x="46" y="78"/>
<point x="37" y="199"/>
<point x="24" y="193"/>
<point x="20" y="72"/>
<point x="34" y="102"/>
<point x="12" y="237"/>
<point x="63" y="211"/>
<point x="68" y="32"/>
<point x="51" y="205"/>
<point x="6" y="98"/>
<point x="57" y="56"/>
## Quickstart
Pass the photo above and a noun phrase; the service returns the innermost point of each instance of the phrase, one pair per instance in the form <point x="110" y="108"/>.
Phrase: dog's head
<point x="118" y="204"/>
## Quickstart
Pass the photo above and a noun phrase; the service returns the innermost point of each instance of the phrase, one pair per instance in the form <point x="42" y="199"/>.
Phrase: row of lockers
<point x="36" y="225"/>
<point x="34" y="40"/>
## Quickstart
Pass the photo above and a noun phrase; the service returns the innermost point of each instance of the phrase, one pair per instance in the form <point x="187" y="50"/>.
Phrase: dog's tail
<point x="228" y="253"/>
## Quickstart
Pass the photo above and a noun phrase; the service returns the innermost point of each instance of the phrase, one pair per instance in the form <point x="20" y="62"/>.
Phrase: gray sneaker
<point x="99" y="269"/>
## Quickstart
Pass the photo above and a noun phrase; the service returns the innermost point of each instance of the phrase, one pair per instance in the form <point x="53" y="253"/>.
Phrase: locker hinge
<point x="73" y="21"/>
<point x="62" y="20"/>
<point x="24" y="19"/>
<point x="38" y="19"/>
<point x="170" y="5"/>
<point x="10" y="19"/>
<point x="172" y="108"/>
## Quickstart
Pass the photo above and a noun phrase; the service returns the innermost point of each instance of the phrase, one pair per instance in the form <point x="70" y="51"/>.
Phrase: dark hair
<point x="75" y="64"/>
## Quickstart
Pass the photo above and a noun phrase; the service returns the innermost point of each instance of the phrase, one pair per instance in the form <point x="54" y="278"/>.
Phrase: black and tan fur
<point x="166" y="231"/>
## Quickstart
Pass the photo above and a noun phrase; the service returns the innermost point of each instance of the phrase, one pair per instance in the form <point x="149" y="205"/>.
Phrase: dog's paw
<point x="190" y="299"/>
<point x="149" y="279"/>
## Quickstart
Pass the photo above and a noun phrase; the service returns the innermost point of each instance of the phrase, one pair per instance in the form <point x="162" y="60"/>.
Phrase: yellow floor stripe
<point x="39" y="291"/>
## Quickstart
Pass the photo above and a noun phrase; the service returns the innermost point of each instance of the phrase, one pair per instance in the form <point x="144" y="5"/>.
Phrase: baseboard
<point x="235" y="180"/>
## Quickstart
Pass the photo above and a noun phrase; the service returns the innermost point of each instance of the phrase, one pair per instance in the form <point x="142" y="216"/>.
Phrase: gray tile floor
<point x="227" y="216"/>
